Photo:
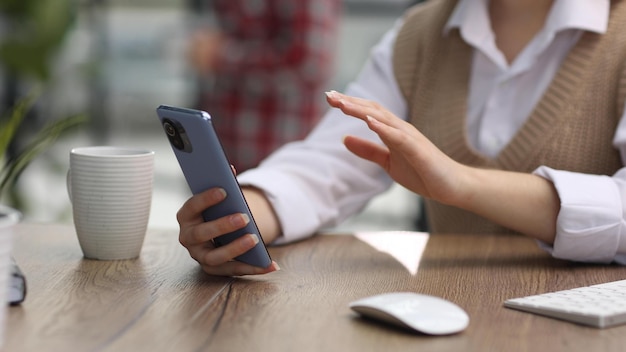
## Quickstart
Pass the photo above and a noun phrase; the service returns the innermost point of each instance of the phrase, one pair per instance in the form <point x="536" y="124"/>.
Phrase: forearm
<point x="523" y="202"/>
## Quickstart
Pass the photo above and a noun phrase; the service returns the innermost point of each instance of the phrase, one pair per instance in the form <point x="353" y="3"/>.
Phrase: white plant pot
<point x="8" y="219"/>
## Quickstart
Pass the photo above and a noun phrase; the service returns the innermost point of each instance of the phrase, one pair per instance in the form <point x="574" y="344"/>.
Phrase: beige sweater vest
<point x="571" y="128"/>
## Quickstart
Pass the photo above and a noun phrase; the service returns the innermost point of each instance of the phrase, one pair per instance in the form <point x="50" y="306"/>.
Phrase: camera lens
<point x="176" y="135"/>
<point x="169" y="129"/>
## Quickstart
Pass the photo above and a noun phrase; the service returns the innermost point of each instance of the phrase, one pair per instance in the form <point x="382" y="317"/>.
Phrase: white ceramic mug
<point x="111" y="193"/>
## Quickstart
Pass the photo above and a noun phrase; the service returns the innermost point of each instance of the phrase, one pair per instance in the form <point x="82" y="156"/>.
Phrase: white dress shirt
<point x="316" y="183"/>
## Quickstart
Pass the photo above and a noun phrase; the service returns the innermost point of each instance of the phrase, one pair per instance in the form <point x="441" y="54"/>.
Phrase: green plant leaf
<point x="10" y="122"/>
<point x="52" y="19"/>
<point x="42" y="141"/>
<point x="25" y="59"/>
<point x="33" y="33"/>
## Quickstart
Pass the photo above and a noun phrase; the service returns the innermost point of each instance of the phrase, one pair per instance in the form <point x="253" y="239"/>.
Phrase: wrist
<point x="263" y="213"/>
<point x="467" y="182"/>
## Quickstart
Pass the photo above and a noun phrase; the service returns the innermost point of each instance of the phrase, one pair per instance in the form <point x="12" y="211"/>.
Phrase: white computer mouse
<point x="423" y="313"/>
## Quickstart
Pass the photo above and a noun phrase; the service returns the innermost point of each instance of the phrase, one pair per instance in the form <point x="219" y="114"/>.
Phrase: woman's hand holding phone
<point x="197" y="236"/>
<point x="216" y="224"/>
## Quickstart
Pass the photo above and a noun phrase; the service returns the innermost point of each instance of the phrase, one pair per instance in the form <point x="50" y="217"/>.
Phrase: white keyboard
<point x="601" y="306"/>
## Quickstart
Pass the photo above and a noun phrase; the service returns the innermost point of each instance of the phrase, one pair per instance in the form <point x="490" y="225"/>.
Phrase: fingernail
<point x="332" y="94"/>
<point x="276" y="267"/>
<point x="218" y="194"/>
<point x="239" y="220"/>
<point x="371" y="119"/>
<point x="254" y="238"/>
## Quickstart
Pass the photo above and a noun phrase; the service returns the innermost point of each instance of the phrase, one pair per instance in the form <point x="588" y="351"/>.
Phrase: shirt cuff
<point x="588" y="224"/>
<point x="282" y="191"/>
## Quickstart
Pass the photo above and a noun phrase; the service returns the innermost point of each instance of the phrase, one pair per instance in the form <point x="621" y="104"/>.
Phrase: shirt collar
<point x="472" y="17"/>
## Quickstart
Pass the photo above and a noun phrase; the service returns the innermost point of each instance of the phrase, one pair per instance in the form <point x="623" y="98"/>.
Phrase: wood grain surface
<point x="163" y="302"/>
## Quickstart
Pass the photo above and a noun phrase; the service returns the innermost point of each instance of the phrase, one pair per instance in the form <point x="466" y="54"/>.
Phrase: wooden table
<point x="163" y="302"/>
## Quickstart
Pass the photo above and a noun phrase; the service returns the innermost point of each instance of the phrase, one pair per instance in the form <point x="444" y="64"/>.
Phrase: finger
<point x="367" y="150"/>
<point x="235" y="268"/>
<point x="217" y="256"/>
<point x="191" y="211"/>
<point x="336" y="99"/>
<point x="198" y="252"/>
<point x="228" y="252"/>
<point x="206" y="231"/>
<point x="356" y="107"/>
<point x="361" y="108"/>
<point x="402" y="140"/>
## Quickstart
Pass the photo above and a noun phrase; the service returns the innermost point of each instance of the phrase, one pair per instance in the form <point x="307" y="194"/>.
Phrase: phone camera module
<point x="177" y="135"/>
<point x="169" y="129"/>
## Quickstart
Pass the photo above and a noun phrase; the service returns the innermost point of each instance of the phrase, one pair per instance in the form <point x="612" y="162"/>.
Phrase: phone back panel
<point x="205" y="166"/>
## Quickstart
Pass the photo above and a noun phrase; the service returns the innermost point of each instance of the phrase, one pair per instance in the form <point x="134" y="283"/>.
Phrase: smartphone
<point x="205" y="165"/>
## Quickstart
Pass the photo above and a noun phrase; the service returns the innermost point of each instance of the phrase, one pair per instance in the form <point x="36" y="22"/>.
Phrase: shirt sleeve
<point x="317" y="183"/>
<point x="591" y="225"/>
